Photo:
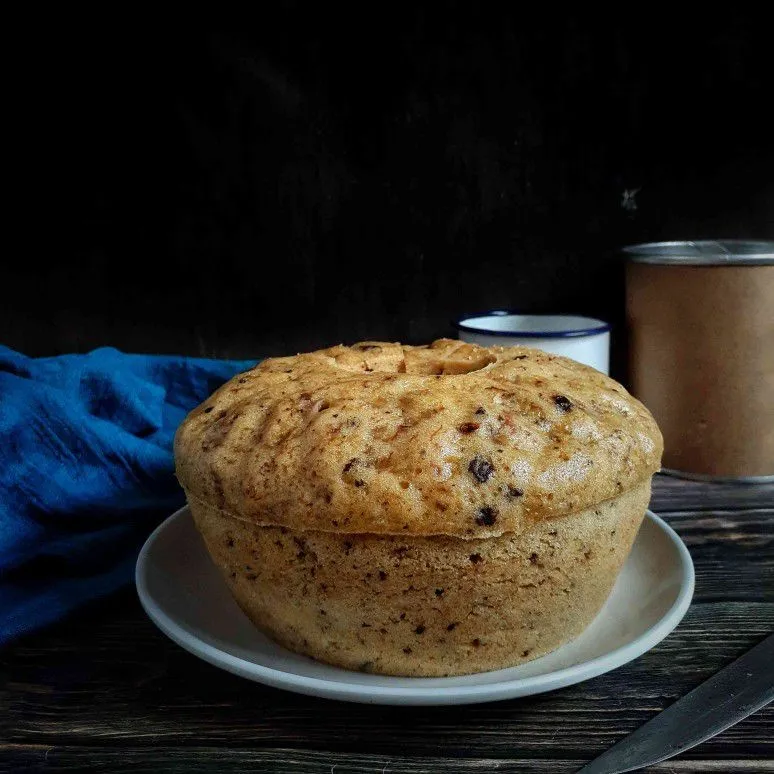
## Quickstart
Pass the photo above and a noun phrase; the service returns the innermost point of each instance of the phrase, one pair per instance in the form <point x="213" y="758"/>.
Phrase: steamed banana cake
<point x="431" y="510"/>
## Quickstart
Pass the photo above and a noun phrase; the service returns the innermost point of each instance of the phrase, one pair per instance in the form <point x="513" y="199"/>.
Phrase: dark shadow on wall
<point x="306" y="179"/>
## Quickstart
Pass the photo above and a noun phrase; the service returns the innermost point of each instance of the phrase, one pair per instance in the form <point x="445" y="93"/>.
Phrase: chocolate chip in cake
<point x="533" y="558"/>
<point x="476" y="643"/>
<point x="486" y="516"/>
<point x="563" y="403"/>
<point x="480" y="411"/>
<point x="475" y="558"/>
<point x="420" y="629"/>
<point x="481" y="469"/>
<point x="349" y="465"/>
<point x="382" y="575"/>
<point x="468" y="427"/>
<point x="407" y="650"/>
<point x="439" y="592"/>
<point x="452" y="626"/>
<point x="208" y="409"/>
<point x="515" y="492"/>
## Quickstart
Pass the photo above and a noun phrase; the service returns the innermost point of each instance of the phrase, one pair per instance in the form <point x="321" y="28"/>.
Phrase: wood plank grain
<point x="676" y="494"/>
<point x="125" y="684"/>
<point x="733" y="553"/>
<point x="142" y="760"/>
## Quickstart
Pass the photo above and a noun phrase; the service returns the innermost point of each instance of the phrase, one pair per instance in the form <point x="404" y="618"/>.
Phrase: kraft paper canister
<point x="701" y="352"/>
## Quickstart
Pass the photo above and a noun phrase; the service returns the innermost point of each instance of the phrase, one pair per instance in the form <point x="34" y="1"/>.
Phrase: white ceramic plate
<point x="183" y="593"/>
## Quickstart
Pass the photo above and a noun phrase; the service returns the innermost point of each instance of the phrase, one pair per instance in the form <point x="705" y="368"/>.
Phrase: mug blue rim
<point x="595" y="330"/>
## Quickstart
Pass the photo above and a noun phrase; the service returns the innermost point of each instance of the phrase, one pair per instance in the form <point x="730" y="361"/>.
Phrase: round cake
<point x="424" y="511"/>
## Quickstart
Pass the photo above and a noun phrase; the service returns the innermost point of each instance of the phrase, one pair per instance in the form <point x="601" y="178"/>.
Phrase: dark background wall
<point x="312" y="177"/>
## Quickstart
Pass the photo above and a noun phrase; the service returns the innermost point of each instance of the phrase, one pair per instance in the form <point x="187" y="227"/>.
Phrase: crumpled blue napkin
<point x="86" y="471"/>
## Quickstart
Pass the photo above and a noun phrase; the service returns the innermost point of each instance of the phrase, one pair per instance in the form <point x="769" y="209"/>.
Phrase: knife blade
<point x="727" y="697"/>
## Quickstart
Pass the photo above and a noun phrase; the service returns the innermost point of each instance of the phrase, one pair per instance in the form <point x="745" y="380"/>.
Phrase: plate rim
<point x="431" y="691"/>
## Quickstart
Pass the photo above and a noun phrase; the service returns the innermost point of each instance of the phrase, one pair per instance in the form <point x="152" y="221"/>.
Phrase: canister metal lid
<point x="704" y="252"/>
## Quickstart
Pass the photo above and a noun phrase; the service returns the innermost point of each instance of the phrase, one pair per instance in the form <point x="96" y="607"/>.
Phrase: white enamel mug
<point x="581" y="338"/>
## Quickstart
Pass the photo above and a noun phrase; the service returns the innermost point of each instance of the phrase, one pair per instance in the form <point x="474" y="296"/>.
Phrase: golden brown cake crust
<point x="425" y="605"/>
<point x="450" y="439"/>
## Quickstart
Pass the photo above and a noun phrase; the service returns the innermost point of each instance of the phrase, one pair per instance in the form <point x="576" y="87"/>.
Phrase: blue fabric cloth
<point x="86" y="471"/>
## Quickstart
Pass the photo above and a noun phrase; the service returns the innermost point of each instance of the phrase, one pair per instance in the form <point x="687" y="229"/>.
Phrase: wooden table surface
<point x="106" y="691"/>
